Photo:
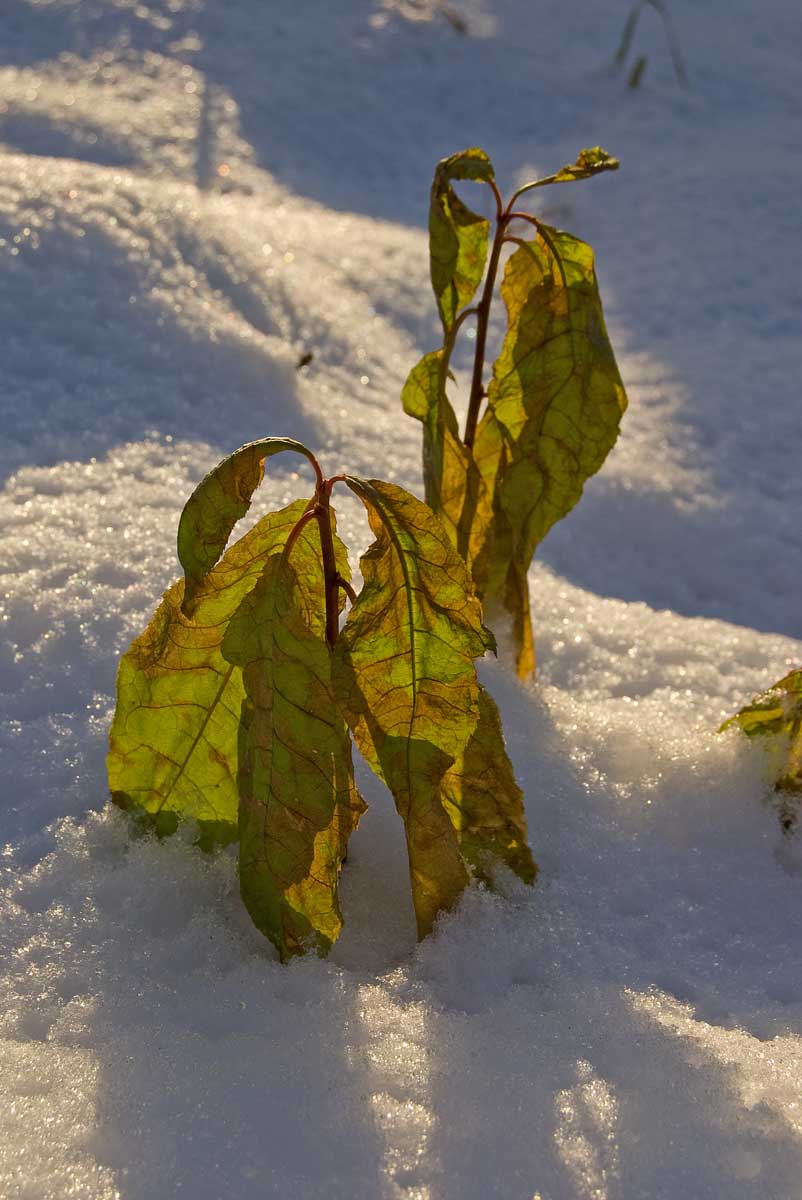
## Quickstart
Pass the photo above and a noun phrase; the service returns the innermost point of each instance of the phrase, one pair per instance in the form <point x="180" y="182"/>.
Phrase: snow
<point x="193" y="196"/>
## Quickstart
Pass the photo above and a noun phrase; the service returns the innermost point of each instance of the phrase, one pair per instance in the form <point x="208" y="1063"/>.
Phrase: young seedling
<point x="551" y="410"/>
<point x="777" y="716"/>
<point x="237" y="705"/>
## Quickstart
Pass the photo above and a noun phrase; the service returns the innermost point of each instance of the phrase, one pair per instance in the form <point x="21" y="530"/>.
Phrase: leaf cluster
<point x="550" y="412"/>
<point x="238" y="705"/>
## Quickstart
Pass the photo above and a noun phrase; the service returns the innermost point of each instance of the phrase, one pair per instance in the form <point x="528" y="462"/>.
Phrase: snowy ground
<point x="192" y="195"/>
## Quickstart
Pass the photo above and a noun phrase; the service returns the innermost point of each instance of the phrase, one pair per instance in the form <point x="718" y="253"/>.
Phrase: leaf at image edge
<point x="776" y="714"/>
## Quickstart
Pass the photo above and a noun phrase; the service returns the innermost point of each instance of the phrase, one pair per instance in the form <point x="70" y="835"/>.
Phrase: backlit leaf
<point x="298" y="801"/>
<point x="221" y="498"/>
<point x="457" y="236"/>
<point x="406" y="682"/>
<point x="449" y="474"/>
<point x="777" y="714"/>
<point x="174" y="736"/>
<point x="554" y="408"/>
<point x="484" y="802"/>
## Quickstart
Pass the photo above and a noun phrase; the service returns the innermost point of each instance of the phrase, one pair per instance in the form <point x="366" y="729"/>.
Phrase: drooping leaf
<point x="449" y="472"/>
<point x="777" y="714"/>
<point x="486" y="538"/>
<point x="457" y="236"/>
<point x="554" y="408"/>
<point x="298" y="801"/>
<point x="588" y="162"/>
<point x="497" y="561"/>
<point x="484" y="802"/>
<point x="173" y="742"/>
<point x="221" y="498"/>
<point x="406" y="682"/>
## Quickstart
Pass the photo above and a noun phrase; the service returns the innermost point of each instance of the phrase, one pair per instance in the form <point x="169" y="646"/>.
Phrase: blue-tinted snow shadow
<point x="700" y="562"/>
<point x="303" y="82"/>
<point x="218" y="1071"/>
<point x="93" y="359"/>
<point x="593" y="1092"/>
<point x="550" y="1059"/>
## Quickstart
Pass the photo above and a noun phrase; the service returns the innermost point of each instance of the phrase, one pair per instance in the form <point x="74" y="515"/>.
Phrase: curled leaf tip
<point x="458" y="237"/>
<point x="221" y="498"/>
<point x="472" y="163"/>
<point x="591" y="161"/>
<point x="597" y="159"/>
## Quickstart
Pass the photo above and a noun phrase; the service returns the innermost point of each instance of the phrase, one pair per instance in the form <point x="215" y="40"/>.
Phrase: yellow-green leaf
<point x="221" y="498"/>
<point x="457" y="236"/>
<point x="450" y="476"/>
<point x="406" y="682"/>
<point x="777" y="715"/>
<point x="298" y="801"/>
<point x="554" y="408"/>
<point x="484" y="802"/>
<point x="173" y="741"/>
<point x="486" y="538"/>
<point x="588" y="162"/>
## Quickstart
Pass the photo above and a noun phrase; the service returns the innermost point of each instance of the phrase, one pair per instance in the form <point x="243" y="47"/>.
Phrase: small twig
<point x="346" y="587"/>
<point x="499" y="199"/>
<point x="482" y="319"/>
<point x="322" y="511"/>
<point x="304" y="519"/>
<point x="523" y="216"/>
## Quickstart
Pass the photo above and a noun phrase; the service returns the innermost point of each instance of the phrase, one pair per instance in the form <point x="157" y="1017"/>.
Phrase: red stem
<point x="331" y="577"/>
<point x="499" y="201"/>
<point x="304" y="518"/>
<point x="329" y="483"/>
<point x="346" y="587"/>
<point x="319" y="509"/>
<point x="523" y="216"/>
<point x="482" y="321"/>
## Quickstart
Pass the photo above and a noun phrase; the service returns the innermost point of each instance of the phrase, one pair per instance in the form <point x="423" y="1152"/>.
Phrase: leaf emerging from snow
<point x="485" y="803"/>
<point x="406" y="682"/>
<point x="298" y="801"/>
<point x="174" y="737"/>
<point x="777" y="714"/>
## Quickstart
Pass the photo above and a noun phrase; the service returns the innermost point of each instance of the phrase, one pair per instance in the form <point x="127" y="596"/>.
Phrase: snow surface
<point x="194" y="194"/>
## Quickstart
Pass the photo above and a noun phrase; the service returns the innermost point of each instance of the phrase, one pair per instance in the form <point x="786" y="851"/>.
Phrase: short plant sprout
<point x="237" y="705"/>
